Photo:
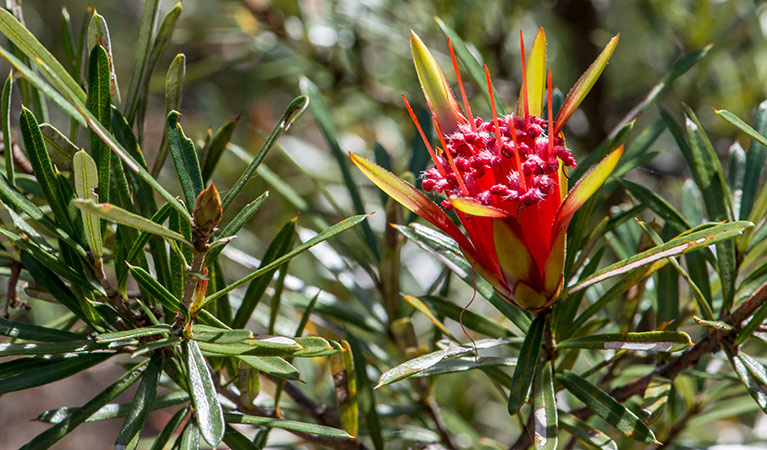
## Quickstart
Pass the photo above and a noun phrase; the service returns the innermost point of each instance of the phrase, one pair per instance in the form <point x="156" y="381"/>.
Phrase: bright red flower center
<point x="491" y="173"/>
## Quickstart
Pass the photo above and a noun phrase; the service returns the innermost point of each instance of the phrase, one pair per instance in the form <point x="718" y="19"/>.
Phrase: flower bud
<point x="207" y="214"/>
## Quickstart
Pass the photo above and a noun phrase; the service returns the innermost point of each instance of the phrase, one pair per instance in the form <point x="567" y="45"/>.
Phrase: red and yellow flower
<point x="504" y="177"/>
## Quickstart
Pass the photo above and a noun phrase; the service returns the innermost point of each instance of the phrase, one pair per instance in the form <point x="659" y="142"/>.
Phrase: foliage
<point x="119" y="250"/>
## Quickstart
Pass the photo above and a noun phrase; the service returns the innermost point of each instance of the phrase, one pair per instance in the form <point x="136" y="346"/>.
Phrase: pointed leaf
<point x="142" y="403"/>
<point x="86" y="181"/>
<point x="34" y="371"/>
<point x="545" y="409"/>
<point x="158" y="291"/>
<point x="216" y="148"/>
<point x="272" y="365"/>
<point x="204" y="396"/>
<point x="294" y="110"/>
<point x="29" y="332"/>
<point x="123" y="217"/>
<point x="607" y="408"/>
<point x="185" y="159"/>
<point x="5" y="126"/>
<point x="527" y="361"/>
<point x="584" y="85"/>
<point x="423" y="362"/>
<point x="291" y="425"/>
<point x="683" y="243"/>
<point x="648" y="341"/>
<point x="586" y="433"/>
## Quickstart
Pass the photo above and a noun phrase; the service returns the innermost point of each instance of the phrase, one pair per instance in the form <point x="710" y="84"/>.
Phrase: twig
<point x="12" y="299"/>
<point x="436" y="416"/>
<point x="689" y="357"/>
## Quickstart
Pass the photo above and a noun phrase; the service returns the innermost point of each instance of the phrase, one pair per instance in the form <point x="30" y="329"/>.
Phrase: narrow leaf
<point x="527" y="361"/>
<point x="345" y="382"/>
<point x="123" y="217"/>
<point x="291" y="425"/>
<point x="545" y="409"/>
<point x="607" y="408"/>
<point x="648" y="341"/>
<point x="204" y="396"/>
<point x="683" y="243"/>
<point x="86" y="181"/>
<point x="142" y="403"/>
<point x="216" y="148"/>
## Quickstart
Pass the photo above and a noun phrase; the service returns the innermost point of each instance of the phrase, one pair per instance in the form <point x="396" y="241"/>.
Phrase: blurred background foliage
<point x="247" y="58"/>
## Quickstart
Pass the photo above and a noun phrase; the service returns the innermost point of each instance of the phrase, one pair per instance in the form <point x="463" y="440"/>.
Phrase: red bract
<point x="504" y="177"/>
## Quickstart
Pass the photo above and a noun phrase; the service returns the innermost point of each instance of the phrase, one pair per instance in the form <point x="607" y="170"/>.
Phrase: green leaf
<point x="238" y="441"/>
<point x="40" y="371"/>
<point x="290" y="425"/>
<point x="62" y="293"/>
<point x="323" y="236"/>
<point x="5" y="123"/>
<point x="545" y="409"/>
<point x="681" y="244"/>
<point x="648" y="341"/>
<point x="607" y="407"/>
<point x="527" y="361"/>
<point x="272" y="365"/>
<point x="60" y="148"/>
<point x="48" y="437"/>
<point x="754" y="377"/>
<point x="127" y="335"/>
<point x="113" y="410"/>
<point x="708" y="174"/>
<point x="322" y="116"/>
<point x="98" y="34"/>
<point x="204" y="396"/>
<point x="42" y="166"/>
<point x="158" y="291"/>
<point x="294" y="110"/>
<point x="141" y="60"/>
<point x="757" y="154"/>
<point x="29" y="332"/>
<point x="123" y="217"/>
<point x="423" y="362"/>
<point x="470" y="62"/>
<point x="185" y="159"/>
<point x="22" y="38"/>
<point x="86" y="180"/>
<point x="174" y="83"/>
<point x="190" y="438"/>
<point x="47" y="348"/>
<point x="345" y="382"/>
<point x="216" y="148"/>
<point x="98" y="103"/>
<point x="141" y="405"/>
<point x="457" y="365"/>
<point x="279" y="246"/>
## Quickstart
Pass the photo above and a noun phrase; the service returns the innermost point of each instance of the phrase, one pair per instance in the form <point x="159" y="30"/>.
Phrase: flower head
<point x="503" y="176"/>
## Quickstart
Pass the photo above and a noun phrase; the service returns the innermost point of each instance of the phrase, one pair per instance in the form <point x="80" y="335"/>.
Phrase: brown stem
<point x="689" y="357"/>
<point x="191" y="279"/>
<point x="433" y="408"/>
<point x="11" y="296"/>
<point x="113" y="296"/>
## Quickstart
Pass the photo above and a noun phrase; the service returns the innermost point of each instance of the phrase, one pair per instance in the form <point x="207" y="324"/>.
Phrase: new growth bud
<point x="207" y="214"/>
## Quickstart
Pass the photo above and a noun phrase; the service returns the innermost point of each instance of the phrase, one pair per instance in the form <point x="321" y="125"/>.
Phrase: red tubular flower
<point x="504" y="177"/>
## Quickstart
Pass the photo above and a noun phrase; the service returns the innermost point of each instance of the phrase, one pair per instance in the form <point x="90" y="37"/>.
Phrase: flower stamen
<point x="460" y="86"/>
<point x="423" y="136"/>
<point x="458" y="175"/>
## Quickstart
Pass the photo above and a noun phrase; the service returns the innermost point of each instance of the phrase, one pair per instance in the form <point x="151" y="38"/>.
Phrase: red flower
<point x="504" y="177"/>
